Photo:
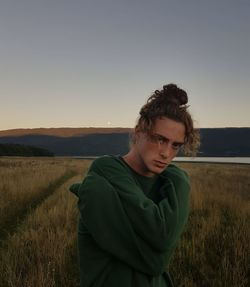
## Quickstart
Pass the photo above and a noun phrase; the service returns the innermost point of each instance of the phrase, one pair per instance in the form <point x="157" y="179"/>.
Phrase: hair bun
<point x="174" y="94"/>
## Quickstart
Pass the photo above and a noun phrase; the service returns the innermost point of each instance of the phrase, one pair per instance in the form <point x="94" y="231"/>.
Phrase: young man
<point x="133" y="208"/>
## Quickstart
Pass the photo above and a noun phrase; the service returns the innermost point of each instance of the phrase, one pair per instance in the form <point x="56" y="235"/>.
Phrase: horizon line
<point x="13" y="129"/>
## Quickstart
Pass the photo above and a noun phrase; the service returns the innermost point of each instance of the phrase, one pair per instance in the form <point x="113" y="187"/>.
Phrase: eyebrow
<point x="166" y="139"/>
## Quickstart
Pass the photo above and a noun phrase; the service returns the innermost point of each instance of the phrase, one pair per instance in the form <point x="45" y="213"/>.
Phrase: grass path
<point x="42" y="251"/>
<point x="10" y="222"/>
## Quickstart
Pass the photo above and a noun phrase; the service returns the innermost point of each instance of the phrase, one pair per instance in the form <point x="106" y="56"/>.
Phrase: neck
<point x="133" y="160"/>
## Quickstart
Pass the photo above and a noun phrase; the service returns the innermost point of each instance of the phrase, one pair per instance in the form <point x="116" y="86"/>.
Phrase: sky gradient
<point x="93" y="63"/>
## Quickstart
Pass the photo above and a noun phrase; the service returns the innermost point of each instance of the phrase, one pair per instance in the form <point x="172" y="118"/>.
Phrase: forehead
<point x="170" y="129"/>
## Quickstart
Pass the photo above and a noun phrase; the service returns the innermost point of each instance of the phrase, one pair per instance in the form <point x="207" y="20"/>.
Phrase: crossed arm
<point x="127" y="224"/>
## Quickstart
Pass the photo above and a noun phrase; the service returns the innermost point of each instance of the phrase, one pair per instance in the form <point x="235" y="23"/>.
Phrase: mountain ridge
<point x="62" y="131"/>
<point x="99" y="141"/>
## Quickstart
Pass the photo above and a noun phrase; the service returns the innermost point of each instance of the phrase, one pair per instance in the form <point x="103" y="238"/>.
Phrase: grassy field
<point x="38" y="224"/>
<point x="215" y="247"/>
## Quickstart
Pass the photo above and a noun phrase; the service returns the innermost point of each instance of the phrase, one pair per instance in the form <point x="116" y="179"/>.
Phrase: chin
<point x="157" y="170"/>
<point x="160" y="170"/>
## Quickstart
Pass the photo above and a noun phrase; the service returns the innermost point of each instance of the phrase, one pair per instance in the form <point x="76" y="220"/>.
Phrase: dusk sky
<point x="93" y="63"/>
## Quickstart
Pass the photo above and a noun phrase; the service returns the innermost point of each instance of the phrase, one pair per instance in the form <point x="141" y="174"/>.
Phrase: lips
<point x="160" y="163"/>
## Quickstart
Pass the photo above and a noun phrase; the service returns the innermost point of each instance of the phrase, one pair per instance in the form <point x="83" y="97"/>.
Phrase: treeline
<point x="23" y="150"/>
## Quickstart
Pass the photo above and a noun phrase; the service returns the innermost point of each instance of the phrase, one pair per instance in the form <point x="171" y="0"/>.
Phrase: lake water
<point x="245" y="160"/>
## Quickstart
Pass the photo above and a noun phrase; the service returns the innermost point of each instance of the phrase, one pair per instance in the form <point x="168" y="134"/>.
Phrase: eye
<point x="176" y="146"/>
<point x="161" y="140"/>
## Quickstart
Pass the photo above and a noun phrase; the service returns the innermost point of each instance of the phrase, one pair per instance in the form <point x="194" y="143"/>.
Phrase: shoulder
<point x="105" y="161"/>
<point x="174" y="169"/>
<point x="108" y="165"/>
<point x="176" y="174"/>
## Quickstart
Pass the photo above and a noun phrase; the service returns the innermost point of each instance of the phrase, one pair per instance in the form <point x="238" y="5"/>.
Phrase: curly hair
<point x="170" y="102"/>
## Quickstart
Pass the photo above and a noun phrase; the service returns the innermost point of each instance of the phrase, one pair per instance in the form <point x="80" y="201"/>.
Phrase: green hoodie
<point x="125" y="237"/>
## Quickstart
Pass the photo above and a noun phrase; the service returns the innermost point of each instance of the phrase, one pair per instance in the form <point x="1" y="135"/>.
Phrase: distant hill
<point x="92" y="143"/>
<point x="99" y="141"/>
<point x="62" y="132"/>
<point x="22" y="150"/>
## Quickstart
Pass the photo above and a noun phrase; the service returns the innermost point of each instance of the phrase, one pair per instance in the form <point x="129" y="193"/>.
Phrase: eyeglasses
<point x="161" y="141"/>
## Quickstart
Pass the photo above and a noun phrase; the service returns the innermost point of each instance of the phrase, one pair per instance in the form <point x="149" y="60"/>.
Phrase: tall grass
<point x="26" y="182"/>
<point x="42" y="250"/>
<point x="213" y="250"/>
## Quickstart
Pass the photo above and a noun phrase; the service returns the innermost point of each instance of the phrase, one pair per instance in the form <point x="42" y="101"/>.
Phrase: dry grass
<point x="213" y="250"/>
<point x="42" y="251"/>
<point x="24" y="183"/>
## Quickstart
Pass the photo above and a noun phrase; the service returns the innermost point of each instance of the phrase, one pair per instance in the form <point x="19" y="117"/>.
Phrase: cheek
<point x="149" y="150"/>
<point x="146" y="149"/>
